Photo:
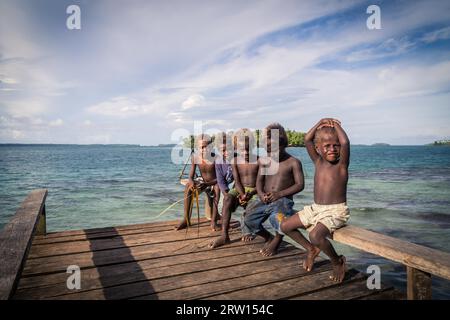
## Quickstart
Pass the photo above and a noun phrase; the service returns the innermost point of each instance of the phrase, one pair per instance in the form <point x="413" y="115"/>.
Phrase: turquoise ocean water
<point x="400" y="191"/>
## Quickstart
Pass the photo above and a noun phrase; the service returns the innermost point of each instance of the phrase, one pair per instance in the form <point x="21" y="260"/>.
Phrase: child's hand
<point x="325" y="122"/>
<point x="201" y="185"/>
<point x="242" y="199"/>
<point x="336" y="121"/>
<point x="273" y="196"/>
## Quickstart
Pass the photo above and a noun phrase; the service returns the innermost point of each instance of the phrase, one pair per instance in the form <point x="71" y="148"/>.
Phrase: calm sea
<point x="400" y="191"/>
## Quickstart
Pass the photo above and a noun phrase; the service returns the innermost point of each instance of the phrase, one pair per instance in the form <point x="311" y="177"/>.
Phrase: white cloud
<point x="17" y="134"/>
<point x="440" y="34"/>
<point x="26" y="107"/>
<point x="388" y="48"/>
<point x="120" y="107"/>
<point x="6" y="80"/>
<point x="196" y="100"/>
<point x="100" y="138"/>
<point x="56" y="123"/>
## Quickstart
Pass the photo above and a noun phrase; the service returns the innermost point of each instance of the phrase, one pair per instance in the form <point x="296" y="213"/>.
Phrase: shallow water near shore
<point x="400" y="191"/>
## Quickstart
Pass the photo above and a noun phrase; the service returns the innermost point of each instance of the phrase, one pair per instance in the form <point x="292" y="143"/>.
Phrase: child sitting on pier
<point x="245" y="170"/>
<point x="204" y="159"/>
<point x="329" y="148"/>
<point x="275" y="189"/>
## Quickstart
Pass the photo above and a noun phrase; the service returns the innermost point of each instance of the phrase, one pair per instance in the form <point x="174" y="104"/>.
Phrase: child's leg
<point x="318" y="237"/>
<point x="279" y="207"/>
<point x="229" y="206"/>
<point x="272" y="245"/>
<point x="214" y="203"/>
<point x="254" y="217"/>
<point x="187" y="209"/>
<point x="290" y="227"/>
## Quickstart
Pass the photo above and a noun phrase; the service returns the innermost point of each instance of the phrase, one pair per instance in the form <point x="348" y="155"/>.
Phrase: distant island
<point x="67" y="145"/>
<point x="381" y="144"/>
<point x="168" y="145"/>
<point x="441" y="143"/>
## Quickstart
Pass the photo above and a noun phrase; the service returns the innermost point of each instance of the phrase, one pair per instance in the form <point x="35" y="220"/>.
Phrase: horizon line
<point x="174" y="144"/>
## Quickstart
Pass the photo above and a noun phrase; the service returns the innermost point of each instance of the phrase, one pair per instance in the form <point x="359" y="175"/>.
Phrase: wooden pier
<point x="152" y="261"/>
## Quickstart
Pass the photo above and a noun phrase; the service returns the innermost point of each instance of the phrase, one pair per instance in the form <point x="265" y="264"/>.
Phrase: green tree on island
<point x="442" y="143"/>
<point x="295" y="139"/>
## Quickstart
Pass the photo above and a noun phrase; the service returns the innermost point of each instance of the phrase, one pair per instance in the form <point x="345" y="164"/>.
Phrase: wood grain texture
<point x="16" y="239"/>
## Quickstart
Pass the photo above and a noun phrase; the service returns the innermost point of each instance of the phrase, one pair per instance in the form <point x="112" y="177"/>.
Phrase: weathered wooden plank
<point x="71" y="235"/>
<point x="250" y="282"/>
<point x="102" y="284"/>
<point x="388" y="294"/>
<point x="120" y="255"/>
<point x="413" y="255"/>
<point x="418" y="285"/>
<point x="15" y="240"/>
<point x="143" y="261"/>
<point x="117" y="241"/>
<point x="150" y="261"/>
<point x="155" y="288"/>
<point x="109" y="233"/>
<point x="287" y="287"/>
<point x="355" y="289"/>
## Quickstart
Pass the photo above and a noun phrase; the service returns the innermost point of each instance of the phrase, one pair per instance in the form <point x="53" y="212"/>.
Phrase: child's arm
<point x="299" y="184"/>
<point x="260" y="183"/>
<point x="309" y="138"/>
<point x="209" y="183"/>
<point x="345" y="143"/>
<point x="192" y="173"/>
<point x="309" y="142"/>
<point x="221" y="180"/>
<point x="237" y="178"/>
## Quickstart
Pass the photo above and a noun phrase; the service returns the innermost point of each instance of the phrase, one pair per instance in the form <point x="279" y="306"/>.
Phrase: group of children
<point x="265" y="186"/>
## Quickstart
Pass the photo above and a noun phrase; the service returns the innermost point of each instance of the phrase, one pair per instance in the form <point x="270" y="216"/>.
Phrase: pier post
<point x="41" y="229"/>
<point x="418" y="284"/>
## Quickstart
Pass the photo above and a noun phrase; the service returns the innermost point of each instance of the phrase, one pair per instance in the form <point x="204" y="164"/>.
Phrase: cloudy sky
<point x="138" y="70"/>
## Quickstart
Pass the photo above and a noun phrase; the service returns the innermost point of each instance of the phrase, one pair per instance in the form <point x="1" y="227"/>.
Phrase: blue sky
<point x="139" y="70"/>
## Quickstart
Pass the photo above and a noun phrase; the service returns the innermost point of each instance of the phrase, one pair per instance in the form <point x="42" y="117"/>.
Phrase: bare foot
<point x="248" y="238"/>
<point x="222" y="240"/>
<point x="339" y="270"/>
<point x="181" y="226"/>
<point x="311" y="255"/>
<point x="271" y="247"/>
